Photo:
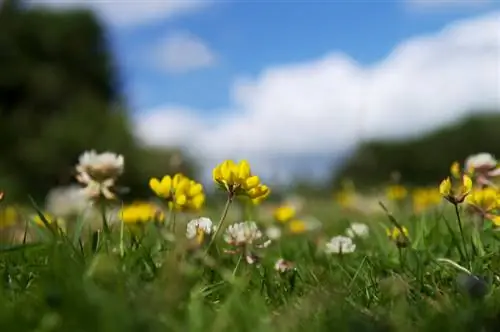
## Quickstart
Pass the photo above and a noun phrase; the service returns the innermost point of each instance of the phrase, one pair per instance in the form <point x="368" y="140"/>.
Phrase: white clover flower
<point x="340" y="245"/>
<point x="99" y="172"/>
<point x="482" y="162"/>
<point x="242" y="233"/>
<point x="273" y="232"/>
<point x="100" y="166"/>
<point x="283" y="266"/>
<point x="198" y="228"/>
<point x="357" y="229"/>
<point x="67" y="201"/>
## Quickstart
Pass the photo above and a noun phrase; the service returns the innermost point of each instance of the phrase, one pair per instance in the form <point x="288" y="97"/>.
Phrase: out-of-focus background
<point x="310" y="93"/>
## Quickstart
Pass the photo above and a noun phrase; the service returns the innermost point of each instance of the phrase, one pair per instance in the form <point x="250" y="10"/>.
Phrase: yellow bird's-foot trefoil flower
<point x="399" y="236"/>
<point x="181" y="193"/>
<point x="483" y="201"/>
<point x="237" y="179"/>
<point x="140" y="212"/>
<point x="284" y="213"/>
<point x="454" y="190"/>
<point x="396" y="193"/>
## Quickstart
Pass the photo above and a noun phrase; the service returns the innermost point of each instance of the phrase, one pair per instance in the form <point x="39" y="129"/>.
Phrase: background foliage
<point x="60" y="95"/>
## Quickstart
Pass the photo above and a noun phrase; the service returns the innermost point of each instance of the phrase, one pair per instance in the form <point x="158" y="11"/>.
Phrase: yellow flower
<point x="180" y="192"/>
<point x="140" y="212"/>
<point x="455" y="170"/>
<point x="424" y="198"/>
<point x="456" y="191"/>
<point x="344" y="197"/>
<point x="484" y="200"/>
<point x="51" y="220"/>
<point x="495" y="220"/>
<point x="8" y="216"/>
<point x="396" y="193"/>
<point x="298" y="226"/>
<point x="399" y="236"/>
<point x="237" y="179"/>
<point x="284" y="213"/>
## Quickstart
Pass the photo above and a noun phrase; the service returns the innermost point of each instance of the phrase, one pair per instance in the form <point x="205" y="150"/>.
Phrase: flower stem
<point x="104" y="219"/>
<point x="459" y="221"/>
<point x="221" y="221"/>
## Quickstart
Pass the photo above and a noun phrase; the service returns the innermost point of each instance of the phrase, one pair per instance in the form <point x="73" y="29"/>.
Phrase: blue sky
<point x="290" y="85"/>
<point x="250" y="36"/>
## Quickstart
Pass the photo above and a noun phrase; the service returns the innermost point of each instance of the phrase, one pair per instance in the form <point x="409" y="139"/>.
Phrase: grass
<point x="87" y="280"/>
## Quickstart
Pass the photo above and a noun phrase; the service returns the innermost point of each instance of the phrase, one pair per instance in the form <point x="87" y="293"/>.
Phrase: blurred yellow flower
<point x="483" y="201"/>
<point x="51" y="220"/>
<point x="298" y="226"/>
<point x="495" y="220"/>
<point x="237" y="179"/>
<point x="398" y="236"/>
<point x="284" y="213"/>
<point x="344" y="197"/>
<point x="455" y="170"/>
<point x="179" y="191"/>
<point x="140" y="212"/>
<point x="8" y="216"/>
<point x="425" y="198"/>
<point x="456" y="191"/>
<point x="396" y="192"/>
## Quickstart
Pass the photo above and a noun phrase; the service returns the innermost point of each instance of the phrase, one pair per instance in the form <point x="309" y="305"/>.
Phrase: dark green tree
<point x="424" y="160"/>
<point x="60" y="95"/>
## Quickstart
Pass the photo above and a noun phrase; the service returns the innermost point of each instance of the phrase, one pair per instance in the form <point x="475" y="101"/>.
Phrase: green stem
<point x="238" y="264"/>
<point x="105" y="225"/>
<point x="221" y="221"/>
<point x="459" y="220"/>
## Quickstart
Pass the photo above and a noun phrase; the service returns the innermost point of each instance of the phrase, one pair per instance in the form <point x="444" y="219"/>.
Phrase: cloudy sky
<point x="290" y="85"/>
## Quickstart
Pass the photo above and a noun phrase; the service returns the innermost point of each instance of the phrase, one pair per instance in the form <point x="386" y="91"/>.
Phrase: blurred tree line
<point x="424" y="160"/>
<point x="60" y="95"/>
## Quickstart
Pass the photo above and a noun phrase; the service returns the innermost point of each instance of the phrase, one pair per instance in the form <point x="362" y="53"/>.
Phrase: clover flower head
<point x="357" y="229"/>
<point x="67" y="201"/>
<point x="283" y="266"/>
<point x="340" y="245"/>
<point x="98" y="172"/>
<point x="245" y="233"/>
<point x="101" y="166"/>
<point x="197" y="229"/>
<point x="273" y="232"/>
<point x="480" y="162"/>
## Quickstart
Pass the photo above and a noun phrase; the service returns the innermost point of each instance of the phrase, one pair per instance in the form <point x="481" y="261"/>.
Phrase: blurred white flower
<point x="198" y="228"/>
<point x="480" y="161"/>
<point x="283" y="266"/>
<point x="67" y="201"/>
<point x="273" y="232"/>
<point x="296" y="202"/>
<point x="242" y="233"/>
<point x="357" y="229"/>
<point x="101" y="166"/>
<point x="340" y="245"/>
<point x="99" y="172"/>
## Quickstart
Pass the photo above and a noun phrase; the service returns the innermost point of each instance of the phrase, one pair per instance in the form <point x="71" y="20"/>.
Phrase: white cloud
<point x="324" y="106"/>
<point x="182" y="52"/>
<point x="130" y="12"/>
